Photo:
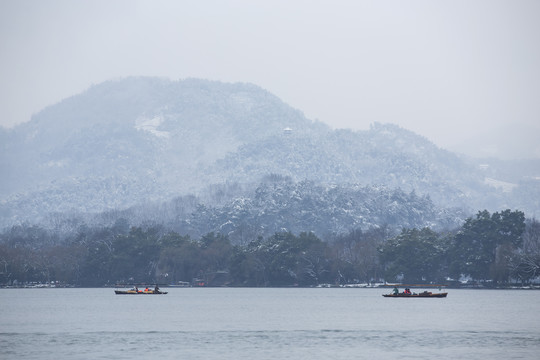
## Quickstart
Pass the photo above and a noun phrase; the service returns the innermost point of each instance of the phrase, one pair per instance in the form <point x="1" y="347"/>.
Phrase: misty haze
<point x="294" y="180"/>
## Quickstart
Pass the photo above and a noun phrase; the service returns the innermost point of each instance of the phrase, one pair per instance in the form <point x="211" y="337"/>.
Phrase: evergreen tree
<point x="416" y="255"/>
<point x="482" y="248"/>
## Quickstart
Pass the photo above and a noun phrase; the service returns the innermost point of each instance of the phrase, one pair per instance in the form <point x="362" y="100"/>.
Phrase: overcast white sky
<point x="448" y="70"/>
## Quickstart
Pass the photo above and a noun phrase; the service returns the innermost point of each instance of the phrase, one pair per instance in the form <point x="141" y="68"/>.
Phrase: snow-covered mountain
<point x="135" y="140"/>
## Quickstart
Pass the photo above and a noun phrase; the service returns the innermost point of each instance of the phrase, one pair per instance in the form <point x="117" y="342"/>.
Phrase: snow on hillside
<point x="151" y="125"/>
<point x="135" y="140"/>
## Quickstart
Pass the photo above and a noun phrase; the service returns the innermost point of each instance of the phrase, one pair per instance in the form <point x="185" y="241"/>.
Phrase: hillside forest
<point x="488" y="249"/>
<point x="150" y="180"/>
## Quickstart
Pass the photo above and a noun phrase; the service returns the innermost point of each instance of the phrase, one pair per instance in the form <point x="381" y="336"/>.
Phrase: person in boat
<point x="395" y="291"/>
<point x="156" y="289"/>
<point x="407" y="291"/>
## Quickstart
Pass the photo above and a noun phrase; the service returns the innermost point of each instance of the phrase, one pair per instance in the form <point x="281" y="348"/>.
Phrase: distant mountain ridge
<point x="134" y="140"/>
<point x="386" y="154"/>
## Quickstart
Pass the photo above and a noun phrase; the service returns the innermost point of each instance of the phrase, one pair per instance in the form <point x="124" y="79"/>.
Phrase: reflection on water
<point x="268" y="324"/>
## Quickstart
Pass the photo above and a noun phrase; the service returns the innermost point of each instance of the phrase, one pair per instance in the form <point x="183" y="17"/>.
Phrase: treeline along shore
<point x="495" y="250"/>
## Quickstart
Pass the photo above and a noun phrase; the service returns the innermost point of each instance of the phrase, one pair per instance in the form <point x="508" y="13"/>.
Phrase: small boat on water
<point x="408" y="294"/>
<point x="425" y="294"/>
<point x="136" y="291"/>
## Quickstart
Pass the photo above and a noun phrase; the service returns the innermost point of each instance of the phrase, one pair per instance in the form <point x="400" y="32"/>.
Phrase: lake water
<point x="237" y="323"/>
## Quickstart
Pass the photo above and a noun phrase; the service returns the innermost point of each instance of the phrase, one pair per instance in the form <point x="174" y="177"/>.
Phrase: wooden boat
<point x="140" y="292"/>
<point x="425" y="294"/>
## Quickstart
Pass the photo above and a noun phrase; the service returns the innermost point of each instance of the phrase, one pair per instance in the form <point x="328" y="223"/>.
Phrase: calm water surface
<point x="229" y="323"/>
